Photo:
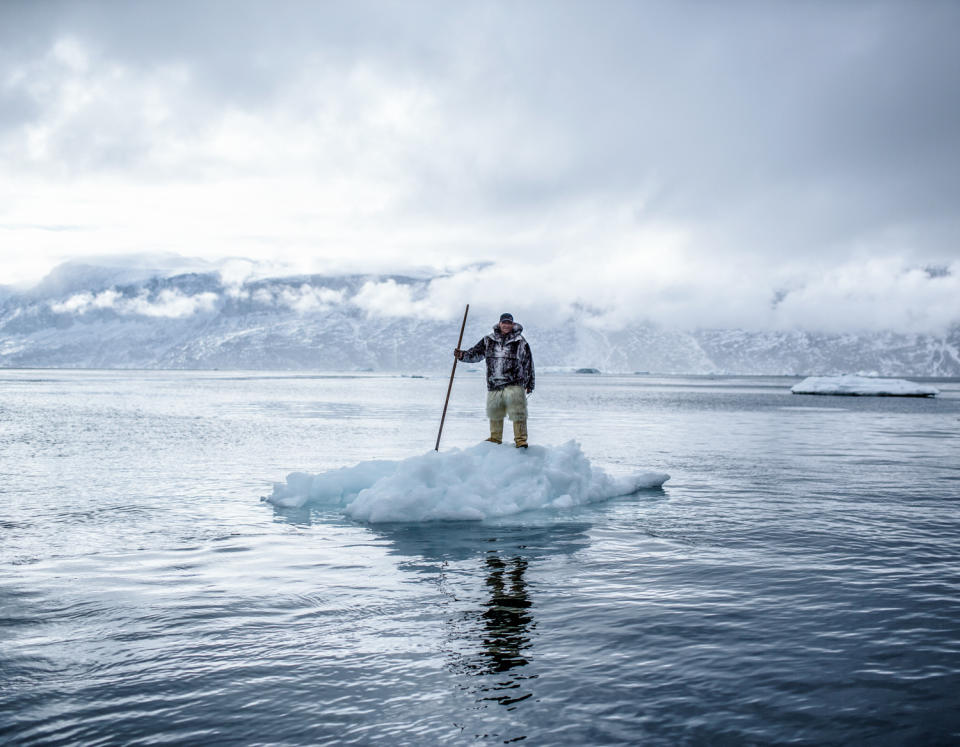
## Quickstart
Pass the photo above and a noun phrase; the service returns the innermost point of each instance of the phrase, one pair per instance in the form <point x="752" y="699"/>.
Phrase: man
<point x="509" y="377"/>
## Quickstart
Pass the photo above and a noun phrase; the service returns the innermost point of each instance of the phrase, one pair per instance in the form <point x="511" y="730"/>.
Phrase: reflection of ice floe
<point x="483" y="481"/>
<point x="425" y="548"/>
<point x="863" y="386"/>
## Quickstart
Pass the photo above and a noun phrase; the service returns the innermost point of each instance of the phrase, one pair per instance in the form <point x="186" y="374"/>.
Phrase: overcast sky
<point x="755" y="164"/>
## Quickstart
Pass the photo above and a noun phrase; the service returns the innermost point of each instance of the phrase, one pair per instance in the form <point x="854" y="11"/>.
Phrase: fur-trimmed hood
<point x="514" y="333"/>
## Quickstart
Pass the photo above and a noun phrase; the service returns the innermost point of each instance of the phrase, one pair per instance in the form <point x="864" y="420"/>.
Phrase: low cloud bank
<point x="874" y="295"/>
<point x="168" y="303"/>
<point x="869" y="296"/>
<point x="304" y="298"/>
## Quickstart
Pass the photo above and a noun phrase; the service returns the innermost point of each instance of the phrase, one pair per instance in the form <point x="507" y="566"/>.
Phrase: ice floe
<point x="863" y="386"/>
<point x="483" y="481"/>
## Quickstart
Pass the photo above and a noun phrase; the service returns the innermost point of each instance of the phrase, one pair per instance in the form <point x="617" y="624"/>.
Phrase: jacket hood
<point x="514" y="333"/>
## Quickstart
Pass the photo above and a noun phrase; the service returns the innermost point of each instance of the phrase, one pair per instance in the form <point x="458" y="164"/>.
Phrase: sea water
<point x="796" y="580"/>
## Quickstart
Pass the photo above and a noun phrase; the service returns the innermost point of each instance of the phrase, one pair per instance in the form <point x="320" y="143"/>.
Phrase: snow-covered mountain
<point x="90" y="316"/>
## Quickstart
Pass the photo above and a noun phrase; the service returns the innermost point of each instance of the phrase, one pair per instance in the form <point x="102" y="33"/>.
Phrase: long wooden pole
<point x="452" y="372"/>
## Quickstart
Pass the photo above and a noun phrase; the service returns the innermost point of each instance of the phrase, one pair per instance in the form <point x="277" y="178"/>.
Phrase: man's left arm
<point x="528" y="377"/>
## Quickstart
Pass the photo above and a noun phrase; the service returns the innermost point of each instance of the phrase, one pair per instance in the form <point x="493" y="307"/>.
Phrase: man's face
<point x="506" y="327"/>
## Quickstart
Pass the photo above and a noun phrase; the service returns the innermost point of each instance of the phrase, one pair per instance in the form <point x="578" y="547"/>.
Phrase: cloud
<point x="168" y="303"/>
<point x="80" y="303"/>
<point x="304" y="299"/>
<point x="308" y="298"/>
<point x="390" y="299"/>
<point x="630" y="288"/>
<point x="659" y="160"/>
<point x="172" y="304"/>
<point x="234" y="271"/>
<point x="873" y="296"/>
<point x="868" y="296"/>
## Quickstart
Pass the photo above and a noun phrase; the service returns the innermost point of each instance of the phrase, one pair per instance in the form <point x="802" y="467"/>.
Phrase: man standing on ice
<point x="509" y="377"/>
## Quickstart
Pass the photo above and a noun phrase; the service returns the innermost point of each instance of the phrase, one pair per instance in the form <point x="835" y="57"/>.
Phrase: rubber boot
<point x="520" y="433"/>
<point x="496" y="431"/>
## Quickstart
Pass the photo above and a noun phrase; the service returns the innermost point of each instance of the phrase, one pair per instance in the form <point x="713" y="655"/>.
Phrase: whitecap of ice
<point x="863" y="386"/>
<point x="479" y="482"/>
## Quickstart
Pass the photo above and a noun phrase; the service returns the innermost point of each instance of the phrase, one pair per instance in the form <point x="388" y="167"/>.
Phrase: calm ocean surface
<point x="797" y="580"/>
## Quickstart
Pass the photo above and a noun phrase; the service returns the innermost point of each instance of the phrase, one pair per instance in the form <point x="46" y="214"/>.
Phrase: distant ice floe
<point x="863" y="386"/>
<point x="483" y="481"/>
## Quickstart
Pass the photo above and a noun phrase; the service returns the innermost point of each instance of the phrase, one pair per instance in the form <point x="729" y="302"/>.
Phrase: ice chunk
<point x="336" y="487"/>
<point x="863" y="386"/>
<point x="482" y="481"/>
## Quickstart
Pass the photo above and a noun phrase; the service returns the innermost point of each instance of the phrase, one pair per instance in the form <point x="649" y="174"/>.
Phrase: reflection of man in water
<point x="506" y="617"/>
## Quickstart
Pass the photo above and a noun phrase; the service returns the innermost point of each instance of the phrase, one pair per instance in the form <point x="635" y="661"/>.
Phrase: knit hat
<point x="506" y="317"/>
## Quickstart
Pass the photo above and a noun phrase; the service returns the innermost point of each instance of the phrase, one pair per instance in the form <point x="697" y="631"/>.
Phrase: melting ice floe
<point x="482" y="481"/>
<point x="863" y="386"/>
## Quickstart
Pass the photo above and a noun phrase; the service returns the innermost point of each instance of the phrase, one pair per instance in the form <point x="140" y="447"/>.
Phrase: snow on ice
<point x="863" y="386"/>
<point x="483" y="481"/>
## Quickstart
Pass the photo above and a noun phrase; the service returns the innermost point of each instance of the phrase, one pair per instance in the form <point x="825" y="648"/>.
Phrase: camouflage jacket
<point x="509" y="361"/>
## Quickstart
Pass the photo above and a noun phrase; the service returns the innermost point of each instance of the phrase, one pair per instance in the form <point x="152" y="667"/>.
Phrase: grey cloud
<point x="774" y="132"/>
<point x="717" y="101"/>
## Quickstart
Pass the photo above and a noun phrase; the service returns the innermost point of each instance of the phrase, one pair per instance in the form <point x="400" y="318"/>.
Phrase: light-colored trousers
<point x="511" y="400"/>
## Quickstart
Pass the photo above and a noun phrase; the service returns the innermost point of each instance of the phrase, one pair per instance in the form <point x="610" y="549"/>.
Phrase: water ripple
<point x="796" y="582"/>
